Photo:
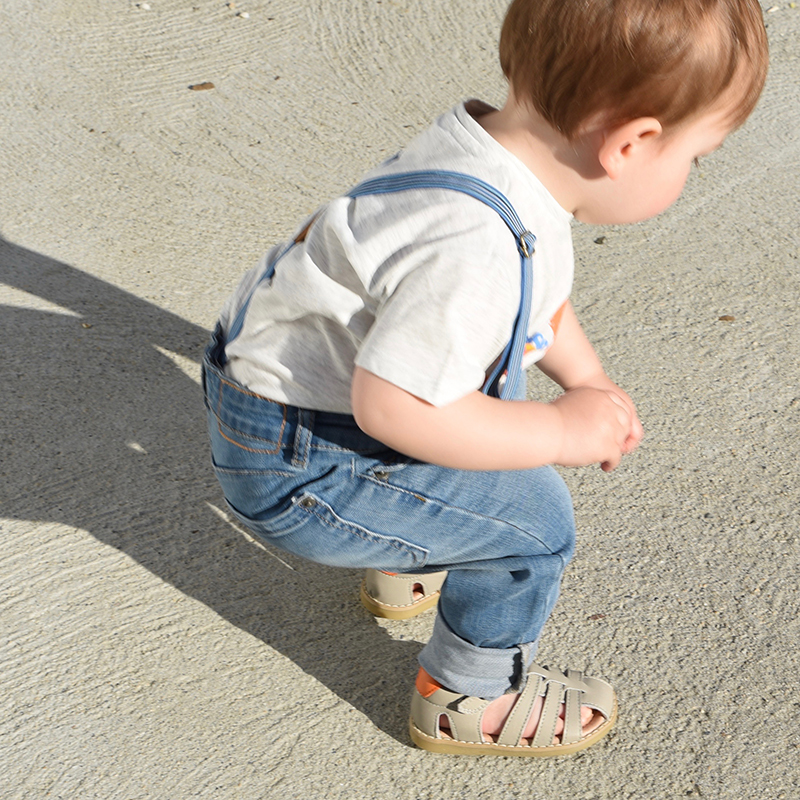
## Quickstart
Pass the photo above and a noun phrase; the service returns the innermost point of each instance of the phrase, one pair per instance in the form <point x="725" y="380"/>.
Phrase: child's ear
<point x="623" y="144"/>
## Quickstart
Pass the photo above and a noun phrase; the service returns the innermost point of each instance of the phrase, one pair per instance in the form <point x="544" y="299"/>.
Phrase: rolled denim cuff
<point x="484" y="672"/>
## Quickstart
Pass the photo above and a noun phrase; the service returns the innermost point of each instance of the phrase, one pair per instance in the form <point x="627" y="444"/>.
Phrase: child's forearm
<point x="583" y="426"/>
<point x="571" y="360"/>
<point x="476" y="432"/>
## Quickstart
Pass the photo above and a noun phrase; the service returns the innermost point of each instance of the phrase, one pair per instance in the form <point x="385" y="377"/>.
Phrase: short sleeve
<point x="449" y="318"/>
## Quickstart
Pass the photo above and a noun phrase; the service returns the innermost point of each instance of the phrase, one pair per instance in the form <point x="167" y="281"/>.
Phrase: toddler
<point x="363" y="383"/>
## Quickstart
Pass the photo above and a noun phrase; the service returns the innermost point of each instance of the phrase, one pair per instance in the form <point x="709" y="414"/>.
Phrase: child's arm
<point x="585" y="425"/>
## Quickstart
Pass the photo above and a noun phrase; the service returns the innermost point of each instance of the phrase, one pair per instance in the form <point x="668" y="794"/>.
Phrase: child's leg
<point x="505" y="538"/>
<point x="315" y="485"/>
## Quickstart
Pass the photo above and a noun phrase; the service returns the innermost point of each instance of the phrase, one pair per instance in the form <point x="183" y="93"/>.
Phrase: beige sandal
<point x="431" y="703"/>
<point x="391" y="595"/>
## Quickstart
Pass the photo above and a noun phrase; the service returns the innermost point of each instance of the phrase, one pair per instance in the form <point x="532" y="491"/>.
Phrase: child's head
<point x="581" y="63"/>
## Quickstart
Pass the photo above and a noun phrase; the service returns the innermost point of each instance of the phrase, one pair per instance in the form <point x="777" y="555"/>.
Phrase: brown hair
<point x="618" y="60"/>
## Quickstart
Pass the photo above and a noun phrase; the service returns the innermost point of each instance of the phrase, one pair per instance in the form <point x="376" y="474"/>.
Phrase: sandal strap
<point x="556" y="687"/>
<point x="573" y="729"/>
<point x="553" y="698"/>
<point x="464" y="714"/>
<point x="518" y="718"/>
<point x="465" y="725"/>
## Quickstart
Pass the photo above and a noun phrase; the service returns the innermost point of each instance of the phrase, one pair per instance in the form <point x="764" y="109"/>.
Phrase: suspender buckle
<point x="526" y="244"/>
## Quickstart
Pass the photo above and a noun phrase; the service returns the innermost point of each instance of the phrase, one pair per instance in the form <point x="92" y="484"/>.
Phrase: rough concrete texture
<point x="149" y="648"/>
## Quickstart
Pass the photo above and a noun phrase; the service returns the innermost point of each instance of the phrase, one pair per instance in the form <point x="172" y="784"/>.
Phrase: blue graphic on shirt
<point x="538" y="341"/>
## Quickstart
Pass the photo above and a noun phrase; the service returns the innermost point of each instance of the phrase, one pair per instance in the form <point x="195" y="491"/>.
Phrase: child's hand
<point x="598" y="427"/>
<point x="636" y="432"/>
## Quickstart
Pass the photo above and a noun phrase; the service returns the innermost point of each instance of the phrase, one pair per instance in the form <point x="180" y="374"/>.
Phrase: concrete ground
<point x="149" y="648"/>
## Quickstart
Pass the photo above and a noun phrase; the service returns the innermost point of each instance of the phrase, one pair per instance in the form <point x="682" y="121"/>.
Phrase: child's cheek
<point x="669" y="191"/>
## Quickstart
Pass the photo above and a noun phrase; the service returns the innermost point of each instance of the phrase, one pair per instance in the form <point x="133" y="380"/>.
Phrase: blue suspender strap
<point x="510" y="362"/>
<point x="238" y="321"/>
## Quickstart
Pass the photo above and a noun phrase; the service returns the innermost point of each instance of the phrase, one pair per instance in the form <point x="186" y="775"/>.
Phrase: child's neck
<point x="563" y="167"/>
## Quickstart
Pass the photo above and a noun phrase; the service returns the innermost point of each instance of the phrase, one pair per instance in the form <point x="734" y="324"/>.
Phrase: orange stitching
<point x="259" y="397"/>
<point x="249" y="449"/>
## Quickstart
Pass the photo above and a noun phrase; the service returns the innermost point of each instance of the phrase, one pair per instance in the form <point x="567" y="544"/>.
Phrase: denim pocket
<point x="249" y="442"/>
<point x="251" y="422"/>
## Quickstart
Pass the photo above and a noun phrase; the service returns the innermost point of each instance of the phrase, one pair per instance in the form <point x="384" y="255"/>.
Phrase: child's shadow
<point x="105" y="430"/>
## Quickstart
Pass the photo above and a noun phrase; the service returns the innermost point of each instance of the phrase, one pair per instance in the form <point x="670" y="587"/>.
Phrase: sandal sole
<point x="378" y="609"/>
<point x="454" y="747"/>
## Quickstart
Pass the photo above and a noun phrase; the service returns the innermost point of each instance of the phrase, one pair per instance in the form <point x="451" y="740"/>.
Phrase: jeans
<point x="313" y="484"/>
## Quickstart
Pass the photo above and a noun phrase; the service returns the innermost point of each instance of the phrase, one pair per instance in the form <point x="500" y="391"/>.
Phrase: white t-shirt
<point x="420" y="287"/>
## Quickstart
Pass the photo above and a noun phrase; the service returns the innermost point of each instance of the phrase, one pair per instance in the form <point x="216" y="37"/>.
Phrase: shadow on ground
<point x="106" y="433"/>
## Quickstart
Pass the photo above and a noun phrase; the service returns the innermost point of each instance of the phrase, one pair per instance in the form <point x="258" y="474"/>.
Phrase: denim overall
<point x="313" y="484"/>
